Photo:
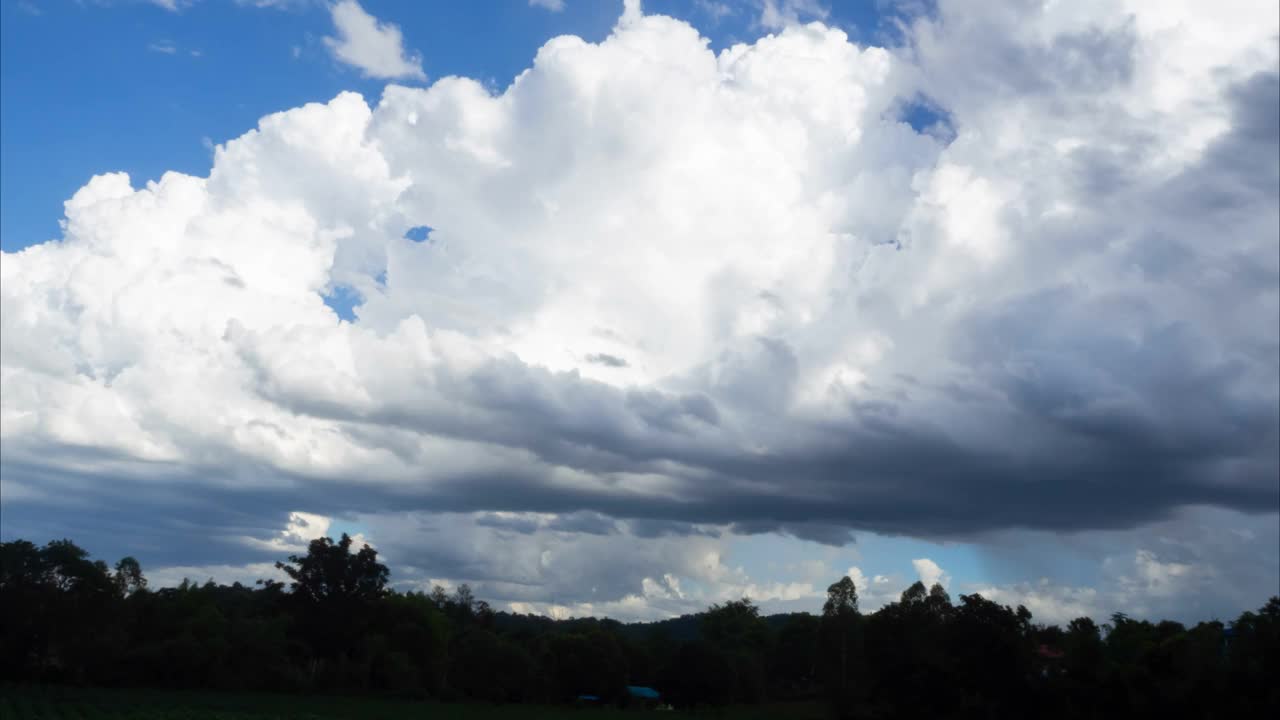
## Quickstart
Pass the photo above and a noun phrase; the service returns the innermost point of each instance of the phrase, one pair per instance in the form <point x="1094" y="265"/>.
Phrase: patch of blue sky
<point x="419" y="234"/>
<point x="343" y="300"/>
<point x="927" y="117"/>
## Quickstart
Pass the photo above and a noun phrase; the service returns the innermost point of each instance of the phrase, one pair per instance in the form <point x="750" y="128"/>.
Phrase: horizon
<point x="625" y="310"/>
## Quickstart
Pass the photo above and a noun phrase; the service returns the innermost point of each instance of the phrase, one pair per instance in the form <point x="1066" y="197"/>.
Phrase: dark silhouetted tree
<point x="331" y="572"/>
<point x="336" y="626"/>
<point x="841" y="644"/>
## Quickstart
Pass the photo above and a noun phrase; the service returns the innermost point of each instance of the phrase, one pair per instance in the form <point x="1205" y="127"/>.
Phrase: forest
<point x="338" y="626"/>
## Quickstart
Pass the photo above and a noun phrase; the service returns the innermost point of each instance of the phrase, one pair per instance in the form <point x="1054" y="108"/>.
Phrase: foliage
<point x="70" y="620"/>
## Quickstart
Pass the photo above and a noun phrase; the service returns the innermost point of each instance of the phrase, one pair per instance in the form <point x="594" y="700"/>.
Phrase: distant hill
<point x="677" y="629"/>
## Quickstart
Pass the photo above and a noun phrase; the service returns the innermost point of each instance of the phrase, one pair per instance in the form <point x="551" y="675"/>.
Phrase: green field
<point x="90" y="704"/>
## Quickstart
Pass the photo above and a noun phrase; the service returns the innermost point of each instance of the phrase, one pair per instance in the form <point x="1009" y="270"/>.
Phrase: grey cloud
<point x="1228" y="563"/>
<point x="997" y="59"/>
<point x="826" y="534"/>
<point x="589" y="523"/>
<point x="606" y="360"/>
<point x="1240" y="171"/>
<point x="518" y="524"/>
<point x="653" y="528"/>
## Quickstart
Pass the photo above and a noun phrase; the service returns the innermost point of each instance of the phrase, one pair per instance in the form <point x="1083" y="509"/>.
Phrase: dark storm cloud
<point x="168" y="514"/>
<point x="826" y="534"/>
<point x="654" y="528"/>
<point x="584" y="522"/>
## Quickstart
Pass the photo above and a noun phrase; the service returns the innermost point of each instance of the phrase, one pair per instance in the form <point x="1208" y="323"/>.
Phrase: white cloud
<point x="876" y="591"/>
<point x="1049" y="603"/>
<point x="376" y="48"/>
<point x="929" y="572"/>
<point x="163" y="46"/>
<point x="1142" y="586"/>
<point x="552" y="5"/>
<point x="818" y="312"/>
<point x="301" y="530"/>
<point x="778" y="14"/>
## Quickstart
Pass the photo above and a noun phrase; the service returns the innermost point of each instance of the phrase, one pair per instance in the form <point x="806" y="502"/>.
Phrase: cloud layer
<point x="684" y="289"/>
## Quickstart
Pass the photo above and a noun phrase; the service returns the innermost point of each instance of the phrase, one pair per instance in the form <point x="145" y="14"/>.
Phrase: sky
<point x="623" y="310"/>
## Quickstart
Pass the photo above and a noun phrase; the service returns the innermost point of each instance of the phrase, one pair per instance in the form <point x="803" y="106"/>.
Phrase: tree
<point x="938" y="602"/>
<point x="700" y="673"/>
<point x="735" y="626"/>
<point x="69" y="618"/>
<point x="128" y="578"/>
<point x="330" y="571"/>
<point x="841" y="641"/>
<point x="21" y="565"/>
<point x="842" y="598"/>
<point x="333" y="590"/>
<point x="463" y="598"/>
<point x="793" y="659"/>
<point x="914" y="595"/>
<point x="588" y="661"/>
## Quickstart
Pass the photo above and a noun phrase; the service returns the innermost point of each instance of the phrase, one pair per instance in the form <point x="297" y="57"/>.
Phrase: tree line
<point x="336" y="625"/>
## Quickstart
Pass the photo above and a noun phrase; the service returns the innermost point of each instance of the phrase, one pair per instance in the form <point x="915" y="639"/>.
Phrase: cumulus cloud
<point x="929" y="572"/>
<point x="1141" y="585"/>
<point x="376" y="48"/>
<point x="689" y="292"/>
<point x="874" y="592"/>
<point x="1201" y="563"/>
<point x="301" y="529"/>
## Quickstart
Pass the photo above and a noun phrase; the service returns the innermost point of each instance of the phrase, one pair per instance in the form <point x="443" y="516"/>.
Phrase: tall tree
<point x="128" y="577"/>
<point x="840" y="635"/>
<point x="334" y="591"/>
<point x="842" y="598"/>
<point x="330" y="571"/>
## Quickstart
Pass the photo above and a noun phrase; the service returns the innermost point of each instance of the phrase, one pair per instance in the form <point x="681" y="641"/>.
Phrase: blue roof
<point x="642" y="692"/>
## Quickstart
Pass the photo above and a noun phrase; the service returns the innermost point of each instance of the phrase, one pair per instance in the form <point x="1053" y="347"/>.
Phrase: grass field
<point x="91" y="704"/>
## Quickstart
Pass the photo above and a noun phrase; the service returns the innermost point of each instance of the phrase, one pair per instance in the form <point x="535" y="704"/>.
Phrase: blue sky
<point x="896" y="289"/>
